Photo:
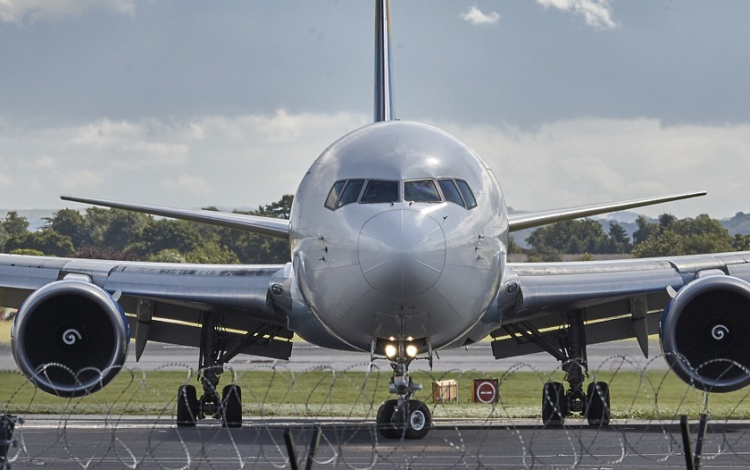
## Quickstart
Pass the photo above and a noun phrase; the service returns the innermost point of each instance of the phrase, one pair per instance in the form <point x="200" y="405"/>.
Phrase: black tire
<point x="187" y="406"/>
<point x="597" y="404"/>
<point x="385" y="422"/>
<point x="418" y="420"/>
<point x="554" y="407"/>
<point x="231" y="400"/>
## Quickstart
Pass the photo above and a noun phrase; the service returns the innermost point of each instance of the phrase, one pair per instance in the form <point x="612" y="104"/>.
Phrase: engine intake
<point x="70" y="338"/>
<point x="705" y="332"/>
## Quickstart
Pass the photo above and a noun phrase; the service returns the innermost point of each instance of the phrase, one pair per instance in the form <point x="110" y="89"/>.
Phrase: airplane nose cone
<point x="401" y="252"/>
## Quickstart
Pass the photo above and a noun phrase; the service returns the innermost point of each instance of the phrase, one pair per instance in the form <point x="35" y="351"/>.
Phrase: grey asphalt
<point x="149" y="442"/>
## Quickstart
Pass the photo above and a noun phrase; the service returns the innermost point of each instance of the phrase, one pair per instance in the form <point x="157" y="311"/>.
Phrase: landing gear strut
<point x="228" y="406"/>
<point x="568" y="347"/>
<point x="556" y="403"/>
<point x="403" y="417"/>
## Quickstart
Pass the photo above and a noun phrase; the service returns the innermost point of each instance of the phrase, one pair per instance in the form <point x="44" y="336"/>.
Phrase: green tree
<point x="685" y="237"/>
<point x="169" y="255"/>
<point x="570" y="236"/>
<point x="166" y="234"/>
<point x="619" y="241"/>
<point x="513" y="247"/>
<point x="15" y="224"/>
<point x="666" y="244"/>
<point x="666" y="221"/>
<point x="645" y="230"/>
<point x="123" y="228"/>
<point x="48" y="242"/>
<point x="280" y="209"/>
<point x="741" y="242"/>
<point x="69" y="223"/>
<point x="702" y="235"/>
<point x="212" y="253"/>
<point x="27" y="252"/>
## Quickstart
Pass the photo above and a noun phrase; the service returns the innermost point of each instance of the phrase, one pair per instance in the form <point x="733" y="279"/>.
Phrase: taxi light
<point x="391" y="350"/>
<point x="411" y="350"/>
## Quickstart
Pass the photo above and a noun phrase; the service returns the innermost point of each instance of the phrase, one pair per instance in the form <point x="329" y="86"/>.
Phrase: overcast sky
<point x="196" y="103"/>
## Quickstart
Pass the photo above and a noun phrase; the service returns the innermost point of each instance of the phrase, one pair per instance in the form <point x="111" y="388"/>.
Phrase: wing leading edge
<point x="538" y="219"/>
<point x="278" y="228"/>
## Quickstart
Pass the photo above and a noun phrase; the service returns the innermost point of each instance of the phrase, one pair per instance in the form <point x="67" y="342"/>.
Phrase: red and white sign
<point x="485" y="391"/>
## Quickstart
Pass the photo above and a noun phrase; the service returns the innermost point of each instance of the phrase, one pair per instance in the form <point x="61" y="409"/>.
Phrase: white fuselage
<point x="399" y="269"/>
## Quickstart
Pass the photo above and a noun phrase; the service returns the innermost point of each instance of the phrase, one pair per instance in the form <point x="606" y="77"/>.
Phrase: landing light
<point x="391" y="350"/>
<point x="411" y="350"/>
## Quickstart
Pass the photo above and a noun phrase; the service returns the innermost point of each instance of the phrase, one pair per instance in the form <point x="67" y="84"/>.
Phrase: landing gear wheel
<point x="231" y="399"/>
<point x="418" y="420"/>
<point x="187" y="406"/>
<point x="554" y="407"/>
<point x="385" y="421"/>
<point x="597" y="404"/>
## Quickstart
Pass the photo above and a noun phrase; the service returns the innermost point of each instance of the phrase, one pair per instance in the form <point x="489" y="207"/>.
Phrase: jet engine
<point x="705" y="333"/>
<point x="70" y="338"/>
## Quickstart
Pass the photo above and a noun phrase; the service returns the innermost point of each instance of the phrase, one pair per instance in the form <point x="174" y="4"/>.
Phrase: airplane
<point x="398" y="240"/>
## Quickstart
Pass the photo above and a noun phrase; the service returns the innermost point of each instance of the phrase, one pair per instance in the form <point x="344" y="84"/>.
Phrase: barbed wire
<point x="131" y="423"/>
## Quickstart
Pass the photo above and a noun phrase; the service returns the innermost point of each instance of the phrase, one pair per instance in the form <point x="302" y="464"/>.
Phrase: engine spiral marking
<point x="69" y="336"/>
<point x="719" y="331"/>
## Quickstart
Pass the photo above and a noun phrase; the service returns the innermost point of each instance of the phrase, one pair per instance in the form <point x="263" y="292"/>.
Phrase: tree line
<point x="122" y="235"/>
<point x="131" y="236"/>
<point x="668" y="236"/>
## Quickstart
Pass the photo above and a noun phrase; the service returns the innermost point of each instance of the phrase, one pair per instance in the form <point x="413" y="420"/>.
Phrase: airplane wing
<point x="161" y="301"/>
<point x="250" y="223"/>
<point x="538" y="219"/>
<point x="619" y="299"/>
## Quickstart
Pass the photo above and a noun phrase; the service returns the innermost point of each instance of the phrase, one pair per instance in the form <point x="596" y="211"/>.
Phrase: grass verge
<point x="326" y="393"/>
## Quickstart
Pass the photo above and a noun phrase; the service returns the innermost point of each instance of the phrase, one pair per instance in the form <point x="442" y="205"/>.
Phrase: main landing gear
<point x="214" y="354"/>
<point x="403" y="417"/>
<point x="228" y="406"/>
<point x="557" y="403"/>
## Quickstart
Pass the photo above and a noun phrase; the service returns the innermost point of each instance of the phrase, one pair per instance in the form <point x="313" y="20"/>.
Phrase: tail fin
<point x="383" y="97"/>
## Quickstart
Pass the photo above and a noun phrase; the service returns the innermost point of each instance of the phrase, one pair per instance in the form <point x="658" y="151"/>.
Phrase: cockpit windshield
<point x="421" y="191"/>
<point x="428" y="190"/>
<point x="380" y="191"/>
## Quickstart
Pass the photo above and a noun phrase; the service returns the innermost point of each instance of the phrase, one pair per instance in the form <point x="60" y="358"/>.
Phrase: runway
<point x="69" y="441"/>
<point x="151" y="442"/>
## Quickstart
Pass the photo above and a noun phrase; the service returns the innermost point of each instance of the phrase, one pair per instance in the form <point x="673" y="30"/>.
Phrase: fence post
<point x="693" y="462"/>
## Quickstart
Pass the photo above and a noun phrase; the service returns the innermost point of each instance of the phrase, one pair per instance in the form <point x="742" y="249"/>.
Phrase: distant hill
<point x="740" y="223"/>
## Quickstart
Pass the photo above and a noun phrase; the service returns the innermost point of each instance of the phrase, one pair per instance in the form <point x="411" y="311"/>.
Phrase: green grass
<point x="655" y="395"/>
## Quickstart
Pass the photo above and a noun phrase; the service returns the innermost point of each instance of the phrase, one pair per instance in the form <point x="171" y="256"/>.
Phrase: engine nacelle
<point x="705" y="333"/>
<point x="70" y="338"/>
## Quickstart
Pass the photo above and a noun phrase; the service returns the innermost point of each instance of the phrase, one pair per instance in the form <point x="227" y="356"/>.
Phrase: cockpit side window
<point x="463" y="186"/>
<point x="334" y="194"/>
<point x="351" y="192"/>
<point x="380" y="191"/>
<point x="450" y="191"/>
<point x="421" y="191"/>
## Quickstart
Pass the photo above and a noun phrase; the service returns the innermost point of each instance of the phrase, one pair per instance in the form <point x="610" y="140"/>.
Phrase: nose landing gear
<point x="403" y="418"/>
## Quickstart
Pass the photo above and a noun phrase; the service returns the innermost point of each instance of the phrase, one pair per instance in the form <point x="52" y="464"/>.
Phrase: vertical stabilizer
<point x="383" y="98"/>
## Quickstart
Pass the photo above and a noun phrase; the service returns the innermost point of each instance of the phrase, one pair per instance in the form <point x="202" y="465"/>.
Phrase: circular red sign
<point x="486" y="392"/>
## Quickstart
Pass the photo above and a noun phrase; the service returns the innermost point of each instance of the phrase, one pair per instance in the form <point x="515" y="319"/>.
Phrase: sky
<point x="226" y="103"/>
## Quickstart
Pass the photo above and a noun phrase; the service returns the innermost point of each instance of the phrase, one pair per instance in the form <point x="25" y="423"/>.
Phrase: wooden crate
<point x="445" y="391"/>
